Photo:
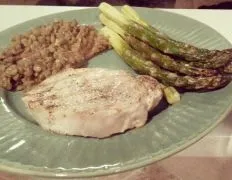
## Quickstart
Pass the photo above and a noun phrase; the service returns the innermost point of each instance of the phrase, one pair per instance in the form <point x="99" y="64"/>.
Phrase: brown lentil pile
<point x="46" y="50"/>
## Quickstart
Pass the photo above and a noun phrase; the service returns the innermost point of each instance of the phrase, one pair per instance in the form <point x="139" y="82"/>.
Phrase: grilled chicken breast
<point x="93" y="102"/>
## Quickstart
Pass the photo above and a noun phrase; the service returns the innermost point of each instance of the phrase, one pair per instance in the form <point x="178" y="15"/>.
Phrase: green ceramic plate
<point x="26" y="148"/>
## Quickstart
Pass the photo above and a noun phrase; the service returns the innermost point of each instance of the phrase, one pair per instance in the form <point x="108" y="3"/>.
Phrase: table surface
<point x="213" y="151"/>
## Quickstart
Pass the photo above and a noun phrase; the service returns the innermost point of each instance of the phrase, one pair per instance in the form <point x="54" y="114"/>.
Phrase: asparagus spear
<point x="171" y="94"/>
<point x="215" y="63"/>
<point x="185" y="51"/>
<point x="133" y="59"/>
<point x="223" y="58"/>
<point x="167" y="62"/>
<point x="152" y="54"/>
<point x="130" y="13"/>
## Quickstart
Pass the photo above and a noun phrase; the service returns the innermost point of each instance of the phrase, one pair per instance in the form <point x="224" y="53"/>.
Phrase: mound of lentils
<point x="46" y="50"/>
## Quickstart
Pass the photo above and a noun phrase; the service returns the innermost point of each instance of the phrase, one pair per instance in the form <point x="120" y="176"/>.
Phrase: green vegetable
<point x="130" y="13"/>
<point x="220" y="59"/>
<point x="171" y="94"/>
<point x="167" y="62"/>
<point x="152" y="54"/>
<point x="164" y="44"/>
<point x="136" y="61"/>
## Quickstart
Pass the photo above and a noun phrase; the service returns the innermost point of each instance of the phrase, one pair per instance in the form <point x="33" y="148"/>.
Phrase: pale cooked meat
<point x="93" y="102"/>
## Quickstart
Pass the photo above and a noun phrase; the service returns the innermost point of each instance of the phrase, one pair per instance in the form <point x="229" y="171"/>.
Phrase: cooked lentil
<point x="46" y="50"/>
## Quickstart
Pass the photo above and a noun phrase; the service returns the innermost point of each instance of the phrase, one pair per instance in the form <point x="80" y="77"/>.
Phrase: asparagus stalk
<point x="221" y="59"/>
<point x="185" y="51"/>
<point x="133" y="59"/>
<point x="133" y="15"/>
<point x="112" y="25"/>
<point x="137" y="30"/>
<point x="150" y="53"/>
<point x="171" y="94"/>
<point x="167" y="62"/>
<point x="130" y="13"/>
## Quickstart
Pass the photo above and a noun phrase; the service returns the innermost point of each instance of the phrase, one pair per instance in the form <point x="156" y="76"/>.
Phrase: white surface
<point x="218" y="142"/>
<point x="12" y="15"/>
<point x="217" y="19"/>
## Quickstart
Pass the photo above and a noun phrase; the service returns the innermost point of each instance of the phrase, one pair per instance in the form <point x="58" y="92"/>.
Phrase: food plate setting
<point x="103" y="90"/>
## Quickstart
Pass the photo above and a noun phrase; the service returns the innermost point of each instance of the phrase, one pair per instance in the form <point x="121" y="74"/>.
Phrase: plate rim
<point x="29" y="170"/>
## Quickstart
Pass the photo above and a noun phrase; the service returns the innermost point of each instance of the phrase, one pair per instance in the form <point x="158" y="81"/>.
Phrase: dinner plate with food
<point x="104" y="90"/>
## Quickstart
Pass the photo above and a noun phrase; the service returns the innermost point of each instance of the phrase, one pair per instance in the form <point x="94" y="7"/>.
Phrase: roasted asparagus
<point x="182" y="50"/>
<point x="154" y="55"/>
<point x="136" y="61"/>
